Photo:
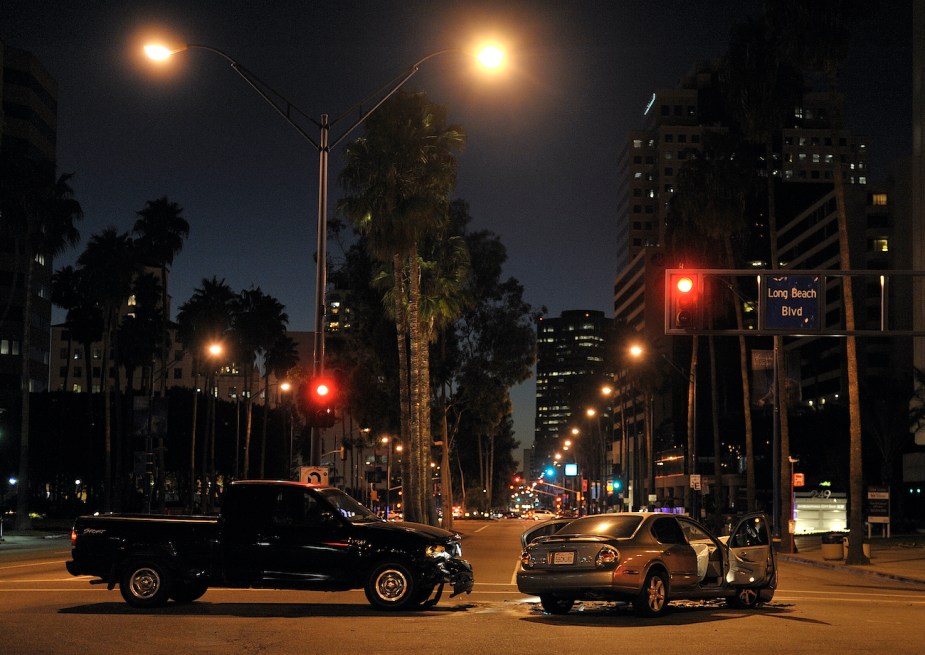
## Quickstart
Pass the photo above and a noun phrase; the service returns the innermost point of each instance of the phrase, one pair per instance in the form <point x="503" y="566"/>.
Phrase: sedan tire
<point x="745" y="598"/>
<point x="653" y="597"/>
<point x="556" y="605"/>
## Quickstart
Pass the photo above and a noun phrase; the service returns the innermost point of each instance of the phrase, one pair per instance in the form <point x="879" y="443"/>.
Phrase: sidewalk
<point x="897" y="558"/>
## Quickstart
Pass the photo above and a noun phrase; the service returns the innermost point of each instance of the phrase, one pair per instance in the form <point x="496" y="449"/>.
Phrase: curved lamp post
<point x="490" y="57"/>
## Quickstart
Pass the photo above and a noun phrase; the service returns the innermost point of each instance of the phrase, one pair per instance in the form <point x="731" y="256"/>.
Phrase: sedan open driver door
<point x="751" y="555"/>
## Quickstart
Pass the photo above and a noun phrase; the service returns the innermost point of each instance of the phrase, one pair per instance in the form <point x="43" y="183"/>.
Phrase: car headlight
<point x="607" y="557"/>
<point x="438" y="551"/>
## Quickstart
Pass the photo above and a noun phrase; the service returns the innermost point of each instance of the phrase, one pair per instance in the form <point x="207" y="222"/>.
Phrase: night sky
<point x="544" y="137"/>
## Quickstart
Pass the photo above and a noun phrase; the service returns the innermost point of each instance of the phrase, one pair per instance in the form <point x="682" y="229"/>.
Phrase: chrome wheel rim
<point x="391" y="585"/>
<point x="145" y="583"/>
<point x="656" y="596"/>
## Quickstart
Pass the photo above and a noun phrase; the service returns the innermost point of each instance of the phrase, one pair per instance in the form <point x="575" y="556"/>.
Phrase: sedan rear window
<point x="621" y="527"/>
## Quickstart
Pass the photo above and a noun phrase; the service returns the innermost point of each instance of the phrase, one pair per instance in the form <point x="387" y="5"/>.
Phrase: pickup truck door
<point x="284" y="536"/>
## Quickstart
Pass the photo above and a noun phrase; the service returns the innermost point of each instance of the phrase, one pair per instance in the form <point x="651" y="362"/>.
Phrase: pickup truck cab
<point x="270" y="534"/>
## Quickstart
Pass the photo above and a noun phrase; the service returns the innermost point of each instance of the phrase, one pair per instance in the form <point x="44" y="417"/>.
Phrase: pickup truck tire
<point x="144" y="584"/>
<point x="391" y="586"/>
<point x="187" y="592"/>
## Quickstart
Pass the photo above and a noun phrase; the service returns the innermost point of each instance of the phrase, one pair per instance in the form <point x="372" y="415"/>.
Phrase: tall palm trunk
<point x="719" y="492"/>
<point x="107" y="409"/>
<point x="751" y="496"/>
<point x="692" y="416"/>
<point x="192" y="452"/>
<point x="419" y="491"/>
<point x="408" y="471"/>
<point x="781" y="407"/>
<point x="23" y="521"/>
<point x="855" y="470"/>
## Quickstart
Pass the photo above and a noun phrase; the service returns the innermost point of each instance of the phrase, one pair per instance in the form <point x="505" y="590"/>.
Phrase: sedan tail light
<point x="525" y="560"/>
<point x="607" y="557"/>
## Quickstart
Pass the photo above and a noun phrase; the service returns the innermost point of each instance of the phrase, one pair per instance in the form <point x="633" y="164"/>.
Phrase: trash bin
<point x="833" y="545"/>
<point x="865" y="548"/>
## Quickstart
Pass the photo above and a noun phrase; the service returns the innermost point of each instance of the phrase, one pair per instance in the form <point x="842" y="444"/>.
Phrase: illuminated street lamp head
<point x="161" y="52"/>
<point x="491" y="57"/>
<point x="215" y="349"/>
<point x="636" y="350"/>
<point x="591" y="411"/>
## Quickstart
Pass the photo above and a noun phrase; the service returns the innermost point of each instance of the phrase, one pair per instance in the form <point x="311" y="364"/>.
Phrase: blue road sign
<point x="792" y="302"/>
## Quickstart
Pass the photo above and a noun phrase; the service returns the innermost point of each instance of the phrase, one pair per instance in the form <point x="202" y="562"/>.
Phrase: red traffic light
<point x="319" y="403"/>
<point x="683" y="298"/>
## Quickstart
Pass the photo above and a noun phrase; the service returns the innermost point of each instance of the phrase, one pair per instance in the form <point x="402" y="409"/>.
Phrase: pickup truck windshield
<point x="348" y="507"/>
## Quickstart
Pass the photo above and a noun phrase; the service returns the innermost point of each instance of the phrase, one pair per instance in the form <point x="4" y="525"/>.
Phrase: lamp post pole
<point x="489" y="56"/>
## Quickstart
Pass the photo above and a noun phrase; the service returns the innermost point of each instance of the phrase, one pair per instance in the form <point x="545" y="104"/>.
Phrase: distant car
<point x="647" y="559"/>
<point x="542" y="515"/>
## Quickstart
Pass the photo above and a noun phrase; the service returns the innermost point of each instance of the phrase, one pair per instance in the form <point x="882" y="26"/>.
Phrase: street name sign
<point x="792" y="302"/>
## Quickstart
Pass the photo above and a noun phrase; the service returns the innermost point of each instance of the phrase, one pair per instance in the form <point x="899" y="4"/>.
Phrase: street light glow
<point x="636" y="350"/>
<point x="491" y="57"/>
<point x="160" y="52"/>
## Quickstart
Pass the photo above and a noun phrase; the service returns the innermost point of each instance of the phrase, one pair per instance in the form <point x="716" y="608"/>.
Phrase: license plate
<point x="567" y="557"/>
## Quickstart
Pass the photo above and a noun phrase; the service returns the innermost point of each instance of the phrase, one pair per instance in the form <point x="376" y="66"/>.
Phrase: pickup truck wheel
<point x="391" y="586"/>
<point x="145" y="584"/>
<point x="187" y="592"/>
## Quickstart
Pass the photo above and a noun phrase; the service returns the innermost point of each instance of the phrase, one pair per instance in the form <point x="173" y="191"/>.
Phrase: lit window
<point x="881" y="245"/>
<point x="879" y="199"/>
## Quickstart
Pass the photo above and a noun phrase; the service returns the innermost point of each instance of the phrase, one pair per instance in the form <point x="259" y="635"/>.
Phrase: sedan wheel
<point x="555" y="605"/>
<point x="745" y="598"/>
<point x="653" y="597"/>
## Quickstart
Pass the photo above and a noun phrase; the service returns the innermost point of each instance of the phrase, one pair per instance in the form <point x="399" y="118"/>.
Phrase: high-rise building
<point x="28" y="124"/>
<point x="573" y="362"/>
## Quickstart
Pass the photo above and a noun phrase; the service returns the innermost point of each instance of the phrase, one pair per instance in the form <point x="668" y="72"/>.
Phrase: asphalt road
<point x="818" y="611"/>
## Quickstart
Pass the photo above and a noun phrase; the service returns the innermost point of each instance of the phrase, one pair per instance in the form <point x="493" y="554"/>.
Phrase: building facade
<point x="28" y="125"/>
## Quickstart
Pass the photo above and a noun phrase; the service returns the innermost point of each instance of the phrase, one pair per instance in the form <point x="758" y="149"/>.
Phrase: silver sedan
<point x="647" y="559"/>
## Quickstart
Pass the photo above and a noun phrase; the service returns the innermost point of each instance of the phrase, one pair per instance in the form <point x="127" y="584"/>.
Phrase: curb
<point x="850" y="569"/>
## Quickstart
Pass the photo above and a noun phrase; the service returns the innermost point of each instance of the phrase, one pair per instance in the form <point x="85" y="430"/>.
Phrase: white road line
<point x="480" y="529"/>
<point x="20" y="566"/>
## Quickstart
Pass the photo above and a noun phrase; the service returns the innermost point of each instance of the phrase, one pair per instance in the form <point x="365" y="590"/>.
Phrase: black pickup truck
<point x="279" y="535"/>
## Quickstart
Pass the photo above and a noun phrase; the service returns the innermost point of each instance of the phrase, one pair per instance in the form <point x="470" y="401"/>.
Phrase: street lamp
<point x="489" y="56"/>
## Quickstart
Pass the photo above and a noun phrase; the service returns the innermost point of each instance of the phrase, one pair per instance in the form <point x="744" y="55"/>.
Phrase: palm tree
<point x="818" y="41"/>
<point x="65" y="294"/>
<point x="203" y="319"/>
<point x="160" y="231"/>
<point x="712" y="188"/>
<point x="764" y="88"/>
<point x="398" y="179"/>
<point x="110" y="265"/>
<point x="258" y="321"/>
<point x="279" y="360"/>
<point x="39" y="214"/>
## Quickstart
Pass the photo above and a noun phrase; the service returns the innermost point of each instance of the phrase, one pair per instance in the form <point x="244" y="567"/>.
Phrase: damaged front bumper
<point x="458" y="573"/>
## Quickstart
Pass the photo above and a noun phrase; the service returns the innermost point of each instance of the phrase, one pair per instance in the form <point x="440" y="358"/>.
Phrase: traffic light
<point x="319" y="403"/>
<point x="683" y="301"/>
